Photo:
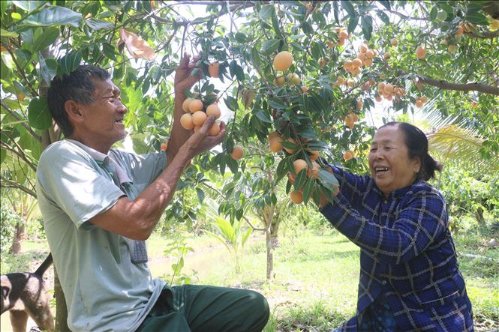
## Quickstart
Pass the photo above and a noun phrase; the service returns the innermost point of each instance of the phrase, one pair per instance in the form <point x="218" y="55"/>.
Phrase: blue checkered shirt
<point x="407" y="253"/>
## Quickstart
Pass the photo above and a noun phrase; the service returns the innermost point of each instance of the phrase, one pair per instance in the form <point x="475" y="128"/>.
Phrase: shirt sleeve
<point x="69" y="180"/>
<point x="419" y="220"/>
<point x="352" y="186"/>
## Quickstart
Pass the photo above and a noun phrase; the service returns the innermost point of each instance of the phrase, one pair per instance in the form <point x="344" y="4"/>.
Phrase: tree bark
<point x="460" y="86"/>
<point x="18" y="237"/>
<point x="270" y="253"/>
<point x="61" y="310"/>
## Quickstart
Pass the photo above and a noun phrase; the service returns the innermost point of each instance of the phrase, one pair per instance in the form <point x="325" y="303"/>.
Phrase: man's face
<point x="101" y="124"/>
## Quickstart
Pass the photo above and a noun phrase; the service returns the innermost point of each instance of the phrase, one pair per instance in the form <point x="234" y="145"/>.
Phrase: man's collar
<point x="103" y="158"/>
<point x="99" y="156"/>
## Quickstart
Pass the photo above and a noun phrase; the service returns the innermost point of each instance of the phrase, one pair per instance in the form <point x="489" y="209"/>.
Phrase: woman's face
<point x="389" y="161"/>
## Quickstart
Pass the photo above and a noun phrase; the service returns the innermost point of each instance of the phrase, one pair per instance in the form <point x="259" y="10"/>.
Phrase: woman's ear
<point x="417" y="165"/>
<point x="73" y="110"/>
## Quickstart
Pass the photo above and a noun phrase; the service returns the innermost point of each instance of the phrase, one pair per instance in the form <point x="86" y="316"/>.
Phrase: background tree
<point x="355" y="65"/>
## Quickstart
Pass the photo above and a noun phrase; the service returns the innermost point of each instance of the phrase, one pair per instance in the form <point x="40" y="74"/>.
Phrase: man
<point x="100" y="205"/>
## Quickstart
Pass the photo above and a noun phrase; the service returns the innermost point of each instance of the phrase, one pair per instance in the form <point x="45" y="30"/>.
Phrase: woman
<point x="409" y="277"/>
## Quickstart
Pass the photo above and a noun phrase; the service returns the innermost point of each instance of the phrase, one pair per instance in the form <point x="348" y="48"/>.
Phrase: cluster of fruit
<point x="420" y="101"/>
<point x="388" y="91"/>
<point x="364" y="59"/>
<point x="282" y="61"/>
<point x="195" y="115"/>
<point x="350" y="119"/>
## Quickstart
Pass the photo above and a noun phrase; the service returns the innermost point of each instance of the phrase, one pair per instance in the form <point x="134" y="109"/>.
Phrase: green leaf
<point x="327" y="179"/>
<point x="300" y="180"/>
<point x="39" y="116"/>
<point x="352" y="24"/>
<point x="335" y="11"/>
<point x="43" y="38"/>
<point x="269" y="46"/>
<point x="307" y="190"/>
<point x="8" y="34"/>
<point x="54" y="16"/>
<point x="98" y="25"/>
<point x="307" y="28"/>
<point x="263" y="116"/>
<point x="383" y="17"/>
<point x="27" y="5"/>
<point x="109" y="51"/>
<point x="477" y="18"/>
<point x="433" y="13"/>
<point x="349" y="8"/>
<point x="277" y="104"/>
<point x="48" y="68"/>
<point x="385" y="3"/>
<point x="200" y="194"/>
<point x="232" y="164"/>
<point x="3" y="155"/>
<point x="266" y="12"/>
<point x="367" y="26"/>
<point x="231" y="103"/>
<point x="317" y="50"/>
<point x="68" y="63"/>
<point x="236" y="70"/>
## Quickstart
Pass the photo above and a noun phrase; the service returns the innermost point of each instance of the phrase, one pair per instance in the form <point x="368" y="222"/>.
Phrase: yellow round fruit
<point x="186" y="103"/>
<point x="296" y="196"/>
<point x="275" y="144"/>
<point x="348" y="155"/>
<point x="452" y="49"/>
<point x="198" y="118"/>
<point x="314" y="155"/>
<point x="195" y="105"/>
<point x="420" y="52"/>
<point x="283" y="60"/>
<point x="299" y="165"/>
<point x="343" y="34"/>
<point x="186" y="121"/>
<point x="237" y="152"/>
<point x="357" y="62"/>
<point x="214" y="130"/>
<point x="213" y="109"/>
<point x="313" y="172"/>
<point x="214" y="69"/>
<point x="293" y="78"/>
<point x="280" y="80"/>
<point x="164" y="146"/>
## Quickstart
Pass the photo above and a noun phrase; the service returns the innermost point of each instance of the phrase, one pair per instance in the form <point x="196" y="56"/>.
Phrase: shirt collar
<point x="105" y="159"/>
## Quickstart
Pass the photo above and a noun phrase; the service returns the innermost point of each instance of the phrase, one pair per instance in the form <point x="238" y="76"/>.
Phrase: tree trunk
<point x="61" y="310"/>
<point x="270" y="252"/>
<point x="18" y="237"/>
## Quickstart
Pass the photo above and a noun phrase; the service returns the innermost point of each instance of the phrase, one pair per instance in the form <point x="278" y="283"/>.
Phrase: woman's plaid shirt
<point x="406" y="252"/>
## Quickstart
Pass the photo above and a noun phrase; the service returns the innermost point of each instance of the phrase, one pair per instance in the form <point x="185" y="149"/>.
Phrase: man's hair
<point x="77" y="86"/>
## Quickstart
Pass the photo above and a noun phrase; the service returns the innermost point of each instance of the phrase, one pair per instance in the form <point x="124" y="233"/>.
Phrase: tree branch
<point x="19" y="152"/>
<point x="22" y="122"/>
<point x="479" y="87"/>
<point x="7" y="183"/>
<point x="484" y="34"/>
<point x="405" y="17"/>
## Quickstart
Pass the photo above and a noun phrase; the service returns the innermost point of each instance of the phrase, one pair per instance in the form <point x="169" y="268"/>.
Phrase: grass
<point x="315" y="274"/>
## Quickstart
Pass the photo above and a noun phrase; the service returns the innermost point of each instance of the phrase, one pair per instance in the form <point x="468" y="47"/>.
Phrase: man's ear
<point x="73" y="110"/>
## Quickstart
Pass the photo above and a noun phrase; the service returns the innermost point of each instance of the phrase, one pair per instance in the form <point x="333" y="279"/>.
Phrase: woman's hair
<point x="77" y="86"/>
<point x="417" y="144"/>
